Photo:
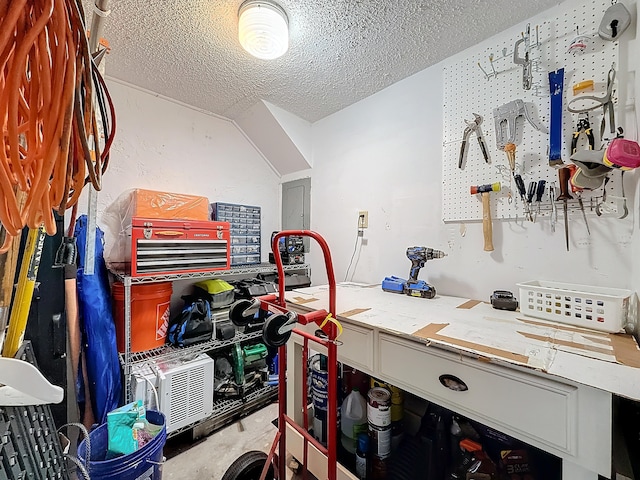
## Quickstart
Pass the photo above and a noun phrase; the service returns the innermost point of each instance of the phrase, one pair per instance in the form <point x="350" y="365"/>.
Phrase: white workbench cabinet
<point x="561" y="416"/>
<point x="556" y="417"/>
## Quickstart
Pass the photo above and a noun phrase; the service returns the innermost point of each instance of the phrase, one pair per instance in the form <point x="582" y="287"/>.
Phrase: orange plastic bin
<point x="149" y="314"/>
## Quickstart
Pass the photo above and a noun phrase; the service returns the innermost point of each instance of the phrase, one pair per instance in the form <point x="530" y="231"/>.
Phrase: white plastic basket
<point x="599" y="308"/>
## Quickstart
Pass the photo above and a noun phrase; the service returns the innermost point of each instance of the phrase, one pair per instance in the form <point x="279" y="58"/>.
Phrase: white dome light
<point x="263" y="29"/>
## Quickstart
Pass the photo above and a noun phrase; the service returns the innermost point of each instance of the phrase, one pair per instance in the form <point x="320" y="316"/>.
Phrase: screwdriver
<point x="510" y="150"/>
<point x="521" y="190"/>
<point x="554" y="210"/>
<point x="530" y="193"/>
<point x="540" y="192"/>
<point x="563" y="175"/>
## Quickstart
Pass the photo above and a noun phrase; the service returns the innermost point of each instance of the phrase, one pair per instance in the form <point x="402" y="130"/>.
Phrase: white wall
<point x="633" y="55"/>
<point x="163" y="145"/>
<point x="384" y="155"/>
<point x="634" y="85"/>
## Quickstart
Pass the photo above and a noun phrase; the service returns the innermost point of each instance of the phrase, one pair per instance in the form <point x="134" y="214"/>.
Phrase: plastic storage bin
<point x="599" y="308"/>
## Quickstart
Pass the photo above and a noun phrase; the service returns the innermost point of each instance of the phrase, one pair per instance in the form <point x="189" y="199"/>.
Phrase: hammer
<point x="487" y="229"/>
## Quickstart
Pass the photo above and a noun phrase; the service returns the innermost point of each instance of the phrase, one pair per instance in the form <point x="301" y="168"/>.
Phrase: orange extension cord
<point x="48" y="82"/>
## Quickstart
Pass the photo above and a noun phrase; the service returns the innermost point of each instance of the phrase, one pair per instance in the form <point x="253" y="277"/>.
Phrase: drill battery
<point x="420" y="289"/>
<point x="393" y="284"/>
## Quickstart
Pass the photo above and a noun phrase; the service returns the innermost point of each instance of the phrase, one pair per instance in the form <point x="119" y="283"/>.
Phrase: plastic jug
<point x="353" y="419"/>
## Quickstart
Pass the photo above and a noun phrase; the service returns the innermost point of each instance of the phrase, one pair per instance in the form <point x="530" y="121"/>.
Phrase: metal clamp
<point x="525" y="62"/>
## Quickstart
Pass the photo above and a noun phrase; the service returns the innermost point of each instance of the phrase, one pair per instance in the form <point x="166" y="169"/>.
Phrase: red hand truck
<point x="276" y="332"/>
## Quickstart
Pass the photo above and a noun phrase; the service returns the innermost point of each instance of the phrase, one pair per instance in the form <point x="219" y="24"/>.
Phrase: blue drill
<point x="418" y="257"/>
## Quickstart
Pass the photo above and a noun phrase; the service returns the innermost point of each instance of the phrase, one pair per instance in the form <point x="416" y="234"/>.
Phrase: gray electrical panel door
<point x="296" y="208"/>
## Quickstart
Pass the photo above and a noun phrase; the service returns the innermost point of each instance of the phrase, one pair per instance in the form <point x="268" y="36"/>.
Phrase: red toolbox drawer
<point x="162" y="247"/>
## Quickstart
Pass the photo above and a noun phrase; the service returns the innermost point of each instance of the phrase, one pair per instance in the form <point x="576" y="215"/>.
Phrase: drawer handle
<point x="453" y="383"/>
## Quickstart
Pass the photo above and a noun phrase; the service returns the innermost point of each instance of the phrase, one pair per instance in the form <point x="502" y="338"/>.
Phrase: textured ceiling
<point x="341" y="51"/>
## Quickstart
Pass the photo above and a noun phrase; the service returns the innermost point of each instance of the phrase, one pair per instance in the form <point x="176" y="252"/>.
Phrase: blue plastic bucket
<point x="143" y="464"/>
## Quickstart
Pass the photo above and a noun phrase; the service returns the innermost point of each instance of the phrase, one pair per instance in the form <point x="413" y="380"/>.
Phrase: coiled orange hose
<point x="48" y="82"/>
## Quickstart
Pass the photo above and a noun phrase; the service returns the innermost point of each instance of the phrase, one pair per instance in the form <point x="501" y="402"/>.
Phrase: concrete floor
<point x="209" y="458"/>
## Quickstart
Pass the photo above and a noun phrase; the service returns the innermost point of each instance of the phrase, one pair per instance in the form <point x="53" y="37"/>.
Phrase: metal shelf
<point x="239" y="270"/>
<point x="168" y="352"/>
<point x="226" y="409"/>
<point x="220" y="407"/>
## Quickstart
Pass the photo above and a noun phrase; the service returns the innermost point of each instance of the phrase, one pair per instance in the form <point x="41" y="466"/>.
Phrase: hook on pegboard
<point x="526" y="61"/>
<point x="579" y="43"/>
<point x="493" y="73"/>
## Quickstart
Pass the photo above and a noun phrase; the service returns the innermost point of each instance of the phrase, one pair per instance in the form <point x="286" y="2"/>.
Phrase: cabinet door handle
<point x="453" y="383"/>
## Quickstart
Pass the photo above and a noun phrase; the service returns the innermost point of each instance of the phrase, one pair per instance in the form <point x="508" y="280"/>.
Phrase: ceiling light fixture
<point x="263" y="29"/>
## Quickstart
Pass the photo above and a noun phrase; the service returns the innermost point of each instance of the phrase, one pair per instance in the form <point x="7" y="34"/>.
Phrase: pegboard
<point x="478" y="85"/>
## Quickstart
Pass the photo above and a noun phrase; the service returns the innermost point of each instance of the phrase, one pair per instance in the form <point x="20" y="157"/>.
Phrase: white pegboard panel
<point x="469" y="91"/>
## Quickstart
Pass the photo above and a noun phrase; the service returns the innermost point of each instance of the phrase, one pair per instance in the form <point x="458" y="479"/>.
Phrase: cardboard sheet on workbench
<point x="503" y="337"/>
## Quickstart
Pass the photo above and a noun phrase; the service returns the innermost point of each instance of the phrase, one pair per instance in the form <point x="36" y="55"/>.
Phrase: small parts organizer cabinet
<point x="554" y="396"/>
<point x="245" y="231"/>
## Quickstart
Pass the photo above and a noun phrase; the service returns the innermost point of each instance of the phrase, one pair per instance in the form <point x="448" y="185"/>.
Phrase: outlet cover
<point x="363" y="219"/>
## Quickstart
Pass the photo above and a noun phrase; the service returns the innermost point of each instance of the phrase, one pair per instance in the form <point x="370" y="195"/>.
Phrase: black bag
<point x="193" y="325"/>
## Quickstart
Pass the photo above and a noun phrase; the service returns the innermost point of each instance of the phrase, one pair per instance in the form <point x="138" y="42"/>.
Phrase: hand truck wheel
<point x="248" y="466"/>
<point x="243" y="312"/>
<point x="277" y="329"/>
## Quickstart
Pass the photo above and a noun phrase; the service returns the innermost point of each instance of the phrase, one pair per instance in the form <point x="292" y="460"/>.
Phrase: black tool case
<point x="291" y="281"/>
<point x="252" y="287"/>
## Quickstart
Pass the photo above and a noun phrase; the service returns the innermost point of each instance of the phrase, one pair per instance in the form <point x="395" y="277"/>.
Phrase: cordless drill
<point x="418" y="257"/>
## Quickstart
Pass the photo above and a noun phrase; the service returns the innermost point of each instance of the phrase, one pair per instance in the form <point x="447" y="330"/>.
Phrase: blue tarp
<point x="98" y="329"/>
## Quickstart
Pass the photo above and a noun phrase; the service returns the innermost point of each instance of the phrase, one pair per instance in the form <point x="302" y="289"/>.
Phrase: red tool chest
<point x="163" y="247"/>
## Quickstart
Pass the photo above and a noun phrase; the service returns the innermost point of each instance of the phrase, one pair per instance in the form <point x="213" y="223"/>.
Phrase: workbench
<point x="547" y="384"/>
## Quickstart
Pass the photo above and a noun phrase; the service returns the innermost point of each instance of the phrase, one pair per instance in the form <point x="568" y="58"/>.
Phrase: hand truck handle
<point x="327" y="260"/>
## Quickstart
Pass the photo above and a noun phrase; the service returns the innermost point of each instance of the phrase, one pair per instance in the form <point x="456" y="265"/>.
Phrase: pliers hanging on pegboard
<point x="473" y="126"/>
<point x="583" y="127"/>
